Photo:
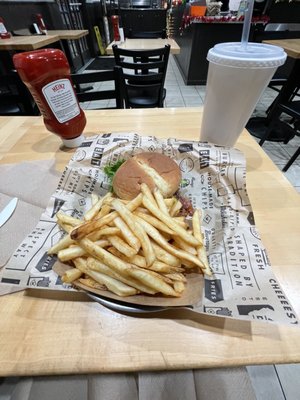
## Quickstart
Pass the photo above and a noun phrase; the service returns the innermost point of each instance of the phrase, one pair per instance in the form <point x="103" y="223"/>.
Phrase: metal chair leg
<point x="290" y="162"/>
<point x="267" y="134"/>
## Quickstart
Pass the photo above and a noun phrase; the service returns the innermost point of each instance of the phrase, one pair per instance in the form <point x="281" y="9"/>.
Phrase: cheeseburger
<point x="154" y="169"/>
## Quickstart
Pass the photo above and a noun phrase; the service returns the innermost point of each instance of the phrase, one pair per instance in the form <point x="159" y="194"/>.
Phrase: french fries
<point x="129" y="237"/>
<point x="181" y="254"/>
<point x="135" y="226"/>
<point x="123" y="247"/>
<point x="160" y="201"/>
<point x="120" y="288"/>
<point x="96" y="265"/>
<point x="129" y="250"/>
<point x="96" y="207"/>
<point x="71" y="275"/>
<point x="154" y="222"/>
<point x="94" y="198"/>
<point x="67" y="219"/>
<point x="76" y="251"/>
<point x="65" y="242"/>
<point x="170" y="222"/>
<point x="198" y="234"/>
<point x="90" y="226"/>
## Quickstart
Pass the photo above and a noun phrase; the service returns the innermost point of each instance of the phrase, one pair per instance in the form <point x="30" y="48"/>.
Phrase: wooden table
<point x="27" y="43"/>
<point x="40" y="334"/>
<point x="69" y="34"/>
<point x="291" y="46"/>
<point x="145" y="44"/>
<point x="22" y="43"/>
<point x="34" y="42"/>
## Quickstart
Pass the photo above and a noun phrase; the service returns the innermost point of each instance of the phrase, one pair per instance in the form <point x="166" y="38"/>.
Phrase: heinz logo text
<point x="57" y="87"/>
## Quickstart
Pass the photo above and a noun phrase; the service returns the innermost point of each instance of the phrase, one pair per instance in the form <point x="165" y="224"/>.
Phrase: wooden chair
<point x="106" y="93"/>
<point x="144" y="73"/>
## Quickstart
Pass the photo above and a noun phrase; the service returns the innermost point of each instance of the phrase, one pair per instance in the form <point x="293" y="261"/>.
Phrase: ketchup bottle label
<point x="61" y="99"/>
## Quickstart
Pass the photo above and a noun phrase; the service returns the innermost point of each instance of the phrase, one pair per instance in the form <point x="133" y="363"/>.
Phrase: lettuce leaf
<point x="111" y="169"/>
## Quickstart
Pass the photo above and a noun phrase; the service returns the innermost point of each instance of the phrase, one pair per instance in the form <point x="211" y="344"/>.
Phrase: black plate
<point x="116" y="305"/>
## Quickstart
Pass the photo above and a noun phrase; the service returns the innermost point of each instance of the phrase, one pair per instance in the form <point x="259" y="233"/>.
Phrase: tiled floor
<point x="181" y="95"/>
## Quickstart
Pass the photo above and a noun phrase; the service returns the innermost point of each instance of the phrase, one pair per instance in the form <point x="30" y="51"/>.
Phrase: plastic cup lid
<point x="255" y="55"/>
<point x="76" y="142"/>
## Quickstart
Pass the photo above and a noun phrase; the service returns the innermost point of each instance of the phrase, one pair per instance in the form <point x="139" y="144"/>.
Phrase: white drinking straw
<point x="247" y="23"/>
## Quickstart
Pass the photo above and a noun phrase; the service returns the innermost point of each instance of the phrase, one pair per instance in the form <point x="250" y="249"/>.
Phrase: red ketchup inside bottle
<point x="46" y="73"/>
<point x="115" y="25"/>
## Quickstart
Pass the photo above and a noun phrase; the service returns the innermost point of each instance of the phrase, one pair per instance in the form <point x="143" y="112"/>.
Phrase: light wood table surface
<point x="69" y="34"/>
<point x="41" y="334"/>
<point x="145" y="44"/>
<point x="35" y="42"/>
<point x="291" y="46"/>
<point x="27" y="43"/>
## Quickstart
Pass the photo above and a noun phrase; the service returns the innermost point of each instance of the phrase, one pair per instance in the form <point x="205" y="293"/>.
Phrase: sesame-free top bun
<point x="154" y="169"/>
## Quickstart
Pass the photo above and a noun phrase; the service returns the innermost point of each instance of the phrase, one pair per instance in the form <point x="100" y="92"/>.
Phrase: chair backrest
<point x="291" y="106"/>
<point x="147" y="34"/>
<point x="144" y="73"/>
<point x="107" y="85"/>
<point x="15" y="98"/>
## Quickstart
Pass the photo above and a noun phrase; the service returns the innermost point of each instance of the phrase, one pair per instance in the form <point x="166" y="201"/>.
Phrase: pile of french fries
<point x="132" y="247"/>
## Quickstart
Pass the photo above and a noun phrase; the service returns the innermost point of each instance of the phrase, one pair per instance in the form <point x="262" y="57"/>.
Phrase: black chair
<point x="146" y="34"/>
<point x="288" y="106"/>
<point x="276" y="84"/>
<point x="292" y="109"/>
<point x="114" y="93"/>
<point x="15" y="98"/>
<point x="144" y="73"/>
<point x="291" y="160"/>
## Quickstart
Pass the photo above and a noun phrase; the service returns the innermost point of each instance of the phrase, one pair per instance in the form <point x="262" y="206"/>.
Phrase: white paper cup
<point x="237" y="77"/>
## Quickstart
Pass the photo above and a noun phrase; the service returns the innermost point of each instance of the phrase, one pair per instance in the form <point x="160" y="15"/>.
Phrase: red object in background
<point x="46" y="73"/>
<point x="41" y="23"/>
<point x="3" y="32"/>
<point x="115" y="25"/>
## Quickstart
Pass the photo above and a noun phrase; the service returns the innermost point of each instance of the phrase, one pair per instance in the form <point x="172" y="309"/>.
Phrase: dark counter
<point x="195" y="41"/>
<point x="143" y="20"/>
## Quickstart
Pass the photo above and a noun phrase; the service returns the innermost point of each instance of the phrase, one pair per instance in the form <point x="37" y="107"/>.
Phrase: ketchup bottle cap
<point x="76" y="142"/>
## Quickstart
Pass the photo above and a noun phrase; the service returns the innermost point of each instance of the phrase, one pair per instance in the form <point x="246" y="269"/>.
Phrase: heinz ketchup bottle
<point x="41" y="24"/>
<point x="46" y="73"/>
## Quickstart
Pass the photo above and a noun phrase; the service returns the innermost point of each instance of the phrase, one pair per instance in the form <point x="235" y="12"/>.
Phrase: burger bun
<point x="154" y="169"/>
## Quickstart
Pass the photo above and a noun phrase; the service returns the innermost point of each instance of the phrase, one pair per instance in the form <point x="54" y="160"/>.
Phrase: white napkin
<point x="33" y="183"/>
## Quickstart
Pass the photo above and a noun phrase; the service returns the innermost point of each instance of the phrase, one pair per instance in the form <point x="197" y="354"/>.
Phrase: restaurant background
<point x="55" y="20"/>
<point x="194" y="39"/>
